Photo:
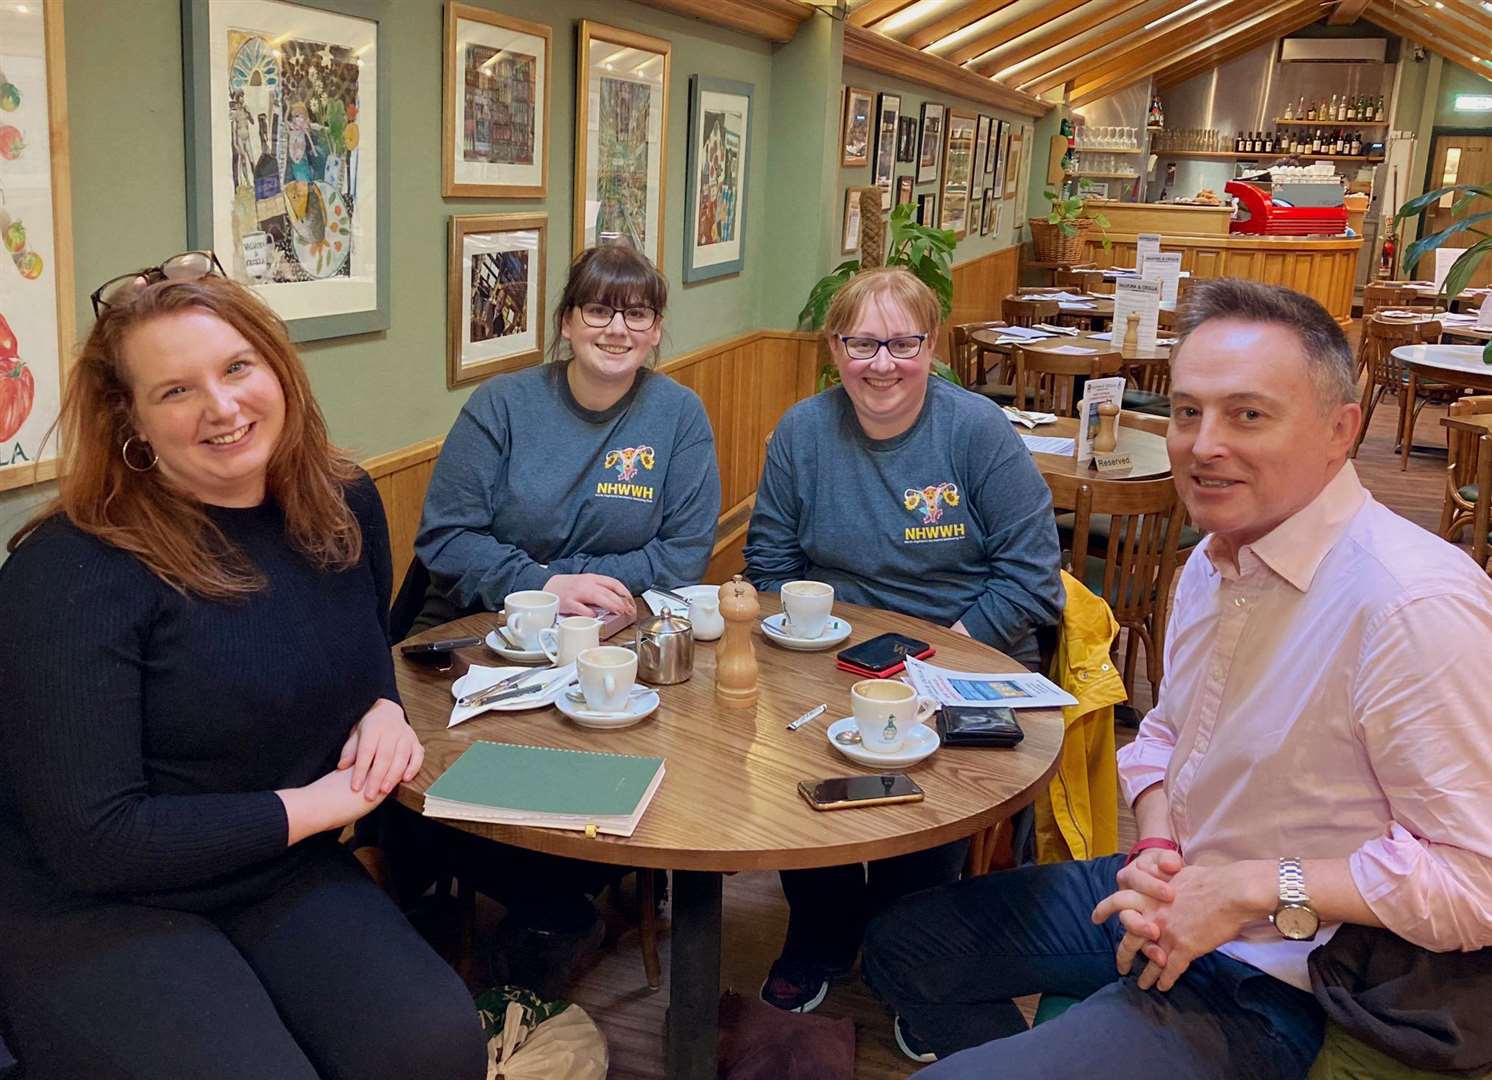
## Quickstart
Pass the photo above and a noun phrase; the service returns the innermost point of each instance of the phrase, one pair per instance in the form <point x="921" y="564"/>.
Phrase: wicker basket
<point x="1053" y="247"/>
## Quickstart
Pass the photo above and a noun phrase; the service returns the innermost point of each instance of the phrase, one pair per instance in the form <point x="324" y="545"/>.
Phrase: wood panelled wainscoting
<point x="978" y="288"/>
<point x="746" y="384"/>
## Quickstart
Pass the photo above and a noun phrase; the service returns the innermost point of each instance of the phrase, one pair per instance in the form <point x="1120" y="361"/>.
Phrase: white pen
<point x="816" y="711"/>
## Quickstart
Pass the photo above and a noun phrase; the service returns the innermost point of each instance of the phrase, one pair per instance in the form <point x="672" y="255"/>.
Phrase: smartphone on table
<point x="843" y="792"/>
<point x="883" y="655"/>
<point x="437" y="653"/>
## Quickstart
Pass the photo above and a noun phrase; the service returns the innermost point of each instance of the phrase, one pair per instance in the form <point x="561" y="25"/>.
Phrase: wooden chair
<point x="1133" y="572"/>
<point x="1461" y="487"/>
<point x="967" y="355"/>
<point x="1480" y="518"/>
<point x="1148" y="387"/>
<point x="1385" y="374"/>
<point x="1081" y="278"/>
<point x="1017" y="311"/>
<point x="1375" y="296"/>
<point x="1101" y="286"/>
<point x="1049" y="379"/>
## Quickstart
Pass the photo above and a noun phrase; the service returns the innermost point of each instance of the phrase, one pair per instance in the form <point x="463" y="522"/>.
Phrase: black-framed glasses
<point x="903" y="346"/>
<point x="638" y="317"/>
<point x="188" y="266"/>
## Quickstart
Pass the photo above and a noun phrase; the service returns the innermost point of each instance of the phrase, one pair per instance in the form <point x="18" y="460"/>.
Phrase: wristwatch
<point x="1294" y="918"/>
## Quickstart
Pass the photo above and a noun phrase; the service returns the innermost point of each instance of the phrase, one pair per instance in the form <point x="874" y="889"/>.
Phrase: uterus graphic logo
<point x="625" y="461"/>
<point x="931" y="500"/>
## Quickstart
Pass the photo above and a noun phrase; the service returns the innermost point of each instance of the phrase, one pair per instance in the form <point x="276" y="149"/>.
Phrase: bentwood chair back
<point x="1018" y="311"/>
<point x="1049" y="379"/>
<point x="967" y="355"/>
<point x="1461" y="488"/>
<point x="1381" y="337"/>
<point x="1083" y="279"/>
<point x="1132" y="572"/>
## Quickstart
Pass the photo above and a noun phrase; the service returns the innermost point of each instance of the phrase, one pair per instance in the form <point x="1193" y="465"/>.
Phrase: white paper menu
<point x="1165" y="267"/>
<point x="1143" y="299"/>
<point x="1484" y="313"/>
<point x="1095" y="393"/>
<point x="1146" y="244"/>
<point x="1444" y="259"/>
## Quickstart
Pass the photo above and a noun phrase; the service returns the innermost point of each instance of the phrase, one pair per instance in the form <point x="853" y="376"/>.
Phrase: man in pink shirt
<point x="1320" y="754"/>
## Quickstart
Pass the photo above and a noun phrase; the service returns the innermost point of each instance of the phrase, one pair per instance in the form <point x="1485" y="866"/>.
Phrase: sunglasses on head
<point x="188" y="266"/>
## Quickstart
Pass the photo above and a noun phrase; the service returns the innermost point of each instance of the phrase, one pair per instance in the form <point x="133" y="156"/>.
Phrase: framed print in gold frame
<point x="855" y="131"/>
<point x="494" y="116"/>
<point x="958" y="166"/>
<point x="621" y="131"/>
<point x="494" y="295"/>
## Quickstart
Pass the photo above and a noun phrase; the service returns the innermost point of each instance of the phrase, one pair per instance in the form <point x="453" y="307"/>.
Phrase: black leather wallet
<point x="978" y="725"/>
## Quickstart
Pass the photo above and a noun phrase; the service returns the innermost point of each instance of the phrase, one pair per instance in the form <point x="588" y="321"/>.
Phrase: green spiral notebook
<point x="509" y="784"/>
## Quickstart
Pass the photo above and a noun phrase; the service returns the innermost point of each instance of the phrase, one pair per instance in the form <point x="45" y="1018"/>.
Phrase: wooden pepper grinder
<point x="735" y="658"/>
<point x="1108" y="423"/>
<point x="1132" y="332"/>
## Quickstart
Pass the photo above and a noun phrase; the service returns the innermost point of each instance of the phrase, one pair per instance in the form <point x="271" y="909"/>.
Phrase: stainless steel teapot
<point x="665" y="649"/>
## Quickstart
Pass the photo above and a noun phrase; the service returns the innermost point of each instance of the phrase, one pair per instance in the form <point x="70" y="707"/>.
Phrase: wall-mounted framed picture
<point x="1023" y="172"/>
<point x="621" y="129"/>
<point x="287" y="162"/>
<point x="494" y="116"/>
<point x="987" y="216"/>
<point x="904" y="189"/>
<point x="1013" y="163"/>
<point x="995" y="168"/>
<point x="855" y="129"/>
<point x="998" y="215"/>
<point x="494" y="295"/>
<point x="906" y="139"/>
<point x="36" y="288"/>
<point x="851" y="237"/>
<point x="981" y="154"/>
<point x="976" y="209"/>
<point x="958" y="167"/>
<point x="930" y="142"/>
<point x="927" y="207"/>
<point x="715" y="177"/>
<point x="888" y="113"/>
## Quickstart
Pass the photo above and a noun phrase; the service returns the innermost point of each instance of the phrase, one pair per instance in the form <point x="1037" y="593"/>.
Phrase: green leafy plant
<point x="1466" y="264"/>
<point x="925" y="251"/>
<point x="1071" y="217"/>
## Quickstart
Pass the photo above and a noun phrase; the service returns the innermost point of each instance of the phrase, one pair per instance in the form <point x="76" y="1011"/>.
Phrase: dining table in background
<point x="1453" y="365"/>
<point x="1146" y="451"/>
<point x="729" y="800"/>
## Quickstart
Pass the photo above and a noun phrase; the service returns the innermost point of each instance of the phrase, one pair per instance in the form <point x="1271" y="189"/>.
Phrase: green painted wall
<point x="1455" y="79"/>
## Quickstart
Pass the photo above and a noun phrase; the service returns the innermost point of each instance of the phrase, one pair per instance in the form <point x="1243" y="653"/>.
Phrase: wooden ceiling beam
<point x="954" y="21"/>
<point x="1197" y="27"/>
<point x="1054" y="67"/>
<point x="1468" y="17"/>
<point x="1042" y="16"/>
<point x="1394" y="22"/>
<point x="873" y="11"/>
<point x="1172" y="76"/>
<point x="775" y="20"/>
<point x="1431" y="32"/>
<point x="890" y="57"/>
<point x="1117" y="79"/>
<point x="1346" y="12"/>
<point x="1030" y="45"/>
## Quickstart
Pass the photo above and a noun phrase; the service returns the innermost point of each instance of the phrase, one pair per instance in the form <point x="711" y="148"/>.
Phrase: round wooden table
<point x="1146" y="450"/>
<point x="1455" y="365"/>
<point x="729" y="798"/>
<point x="987" y="339"/>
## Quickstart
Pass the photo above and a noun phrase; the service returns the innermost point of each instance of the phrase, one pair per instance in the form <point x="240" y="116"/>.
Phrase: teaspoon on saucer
<point x="847" y="738"/>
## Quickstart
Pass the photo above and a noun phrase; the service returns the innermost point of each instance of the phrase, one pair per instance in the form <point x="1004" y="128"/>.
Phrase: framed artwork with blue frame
<point x="715" y="185"/>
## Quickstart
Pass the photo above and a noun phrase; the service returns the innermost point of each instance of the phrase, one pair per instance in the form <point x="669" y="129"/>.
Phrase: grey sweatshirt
<point x="530" y="484"/>
<point x="948" y="521"/>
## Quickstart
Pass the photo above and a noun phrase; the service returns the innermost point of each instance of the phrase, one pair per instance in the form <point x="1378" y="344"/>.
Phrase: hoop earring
<point x="124" y="452"/>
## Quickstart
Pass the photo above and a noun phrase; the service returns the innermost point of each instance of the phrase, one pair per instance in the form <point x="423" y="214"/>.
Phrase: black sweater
<point x="143" y="733"/>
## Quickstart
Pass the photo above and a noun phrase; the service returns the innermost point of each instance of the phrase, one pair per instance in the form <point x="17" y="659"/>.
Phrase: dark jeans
<point x="829" y="907"/>
<point x="323" y="979"/>
<point x="949" y="961"/>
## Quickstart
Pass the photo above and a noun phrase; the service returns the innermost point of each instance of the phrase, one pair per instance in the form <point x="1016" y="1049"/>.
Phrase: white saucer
<point x="638" y="708"/>
<point x="499" y="644"/>
<point x="836" y="630"/>
<point x="921" y="742"/>
<point x="657" y="601"/>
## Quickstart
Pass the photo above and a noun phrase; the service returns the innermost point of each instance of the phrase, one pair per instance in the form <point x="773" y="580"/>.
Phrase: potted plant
<point x="1059" y="237"/>
<point x="925" y="251"/>
<point x="1465" y="265"/>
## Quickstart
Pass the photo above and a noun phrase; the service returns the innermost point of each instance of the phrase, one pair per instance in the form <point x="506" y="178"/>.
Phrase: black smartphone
<point x="978" y="725"/>
<point x="843" y="792"/>
<point x="437" y="652"/>
<point x="884" y="654"/>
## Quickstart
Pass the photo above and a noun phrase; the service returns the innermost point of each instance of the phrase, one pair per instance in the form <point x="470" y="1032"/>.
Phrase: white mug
<point x="529" y="613"/>
<point x="884" y="709"/>
<point x="563" y="641"/>
<point x="807" y="605"/>
<point x="607" y="674"/>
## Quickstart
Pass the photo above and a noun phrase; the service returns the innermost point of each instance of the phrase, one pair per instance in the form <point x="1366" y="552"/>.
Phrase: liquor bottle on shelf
<point x="1289" y="110"/>
<point x="1238" y="143"/>
<point x="1378" y="113"/>
<point x="1342" y="108"/>
<point x="1331" y="110"/>
<point x="1311" y="112"/>
<point x="1356" y="143"/>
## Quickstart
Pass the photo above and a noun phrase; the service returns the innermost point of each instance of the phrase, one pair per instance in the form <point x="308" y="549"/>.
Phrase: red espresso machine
<point x="1289" y="208"/>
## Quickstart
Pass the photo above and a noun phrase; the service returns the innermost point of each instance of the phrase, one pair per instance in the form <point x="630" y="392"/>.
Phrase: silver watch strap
<point x="1292" y="883"/>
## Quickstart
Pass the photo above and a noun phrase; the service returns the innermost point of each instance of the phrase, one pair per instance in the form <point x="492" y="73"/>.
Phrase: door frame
<point x="1430" y="185"/>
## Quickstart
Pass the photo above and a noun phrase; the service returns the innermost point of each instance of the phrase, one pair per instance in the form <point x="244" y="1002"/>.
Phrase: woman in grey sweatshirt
<point x="906" y="493"/>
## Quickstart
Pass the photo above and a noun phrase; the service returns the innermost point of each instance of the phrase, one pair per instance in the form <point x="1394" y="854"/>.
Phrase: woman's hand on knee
<point x="584" y="594"/>
<point x="382" y="751"/>
<point x="322" y="805"/>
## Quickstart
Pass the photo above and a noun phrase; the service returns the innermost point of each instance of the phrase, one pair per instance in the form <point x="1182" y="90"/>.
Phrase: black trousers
<point x="829" y="907"/>
<point x="323" y="979"/>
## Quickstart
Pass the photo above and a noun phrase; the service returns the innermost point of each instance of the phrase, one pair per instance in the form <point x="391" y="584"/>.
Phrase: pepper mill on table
<point x="1131" y="332"/>
<point x="735" y="657"/>
<point x="1107" y="437"/>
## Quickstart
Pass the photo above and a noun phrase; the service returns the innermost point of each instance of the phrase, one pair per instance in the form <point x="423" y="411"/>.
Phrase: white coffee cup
<point x="564" y="641"/>
<point x="529" y="613"/>
<point x="884" y="710"/>
<point x="607" y="674"/>
<point x="807" y="604"/>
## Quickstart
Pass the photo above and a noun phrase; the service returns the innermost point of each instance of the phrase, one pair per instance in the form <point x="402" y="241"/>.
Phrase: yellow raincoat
<point x="1077" y="817"/>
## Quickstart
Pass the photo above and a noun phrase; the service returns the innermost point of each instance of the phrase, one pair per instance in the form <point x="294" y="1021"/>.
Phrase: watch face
<point x="1296" y="922"/>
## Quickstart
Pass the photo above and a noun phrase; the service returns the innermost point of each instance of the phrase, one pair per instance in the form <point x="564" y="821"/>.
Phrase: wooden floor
<point x="615" y="993"/>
